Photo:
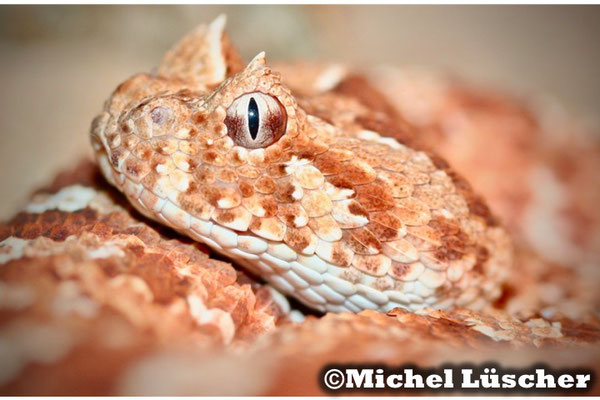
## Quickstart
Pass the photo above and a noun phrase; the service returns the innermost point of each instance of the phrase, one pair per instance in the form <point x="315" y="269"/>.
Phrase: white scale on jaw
<point x="309" y="278"/>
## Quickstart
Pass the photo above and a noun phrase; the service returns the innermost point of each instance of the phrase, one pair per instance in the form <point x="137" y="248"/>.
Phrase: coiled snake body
<point x="302" y="190"/>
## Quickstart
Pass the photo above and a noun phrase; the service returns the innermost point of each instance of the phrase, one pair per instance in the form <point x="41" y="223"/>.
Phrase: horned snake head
<point x="295" y="188"/>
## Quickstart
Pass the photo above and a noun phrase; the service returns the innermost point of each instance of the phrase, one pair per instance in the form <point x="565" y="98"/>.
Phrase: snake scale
<point x="304" y="190"/>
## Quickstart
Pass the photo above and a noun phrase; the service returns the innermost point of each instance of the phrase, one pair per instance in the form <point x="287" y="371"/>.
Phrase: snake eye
<point x="255" y="120"/>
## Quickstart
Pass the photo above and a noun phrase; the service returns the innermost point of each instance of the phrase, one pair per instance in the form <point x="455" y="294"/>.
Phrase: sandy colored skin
<point x="541" y="175"/>
<point x="332" y="213"/>
<point x="83" y="276"/>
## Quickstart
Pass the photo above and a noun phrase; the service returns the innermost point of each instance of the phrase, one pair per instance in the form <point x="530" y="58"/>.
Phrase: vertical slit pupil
<point x="253" y="118"/>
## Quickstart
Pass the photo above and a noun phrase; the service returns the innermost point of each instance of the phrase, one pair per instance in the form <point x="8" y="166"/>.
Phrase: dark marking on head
<point x="339" y="256"/>
<point x="382" y="232"/>
<point x="356" y="209"/>
<point x="192" y="187"/>
<point x="296" y="239"/>
<point x="159" y="146"/>
<point x="375" y="197"/>
<point x="328" y="164"/>
<point x="212" y="195"/>
<point x="357" y="173"/>
<point x="399" y="269"/>
<point x="445" y="226"/>
<point x="289" y="219"/>
<point x="225" y="217"/>
<point x="193" y="132"/>
<point x="210" y="156"/>
<point x="190" y="203"/>
<point x="125" y="128"/>
<point x="227" y="175"/>
<point x="364" y="241"/>
<point x="146" y="154"/>
<point x="341" y="182"/>
<point x="454" y="240"/>
<point x="192" y="163"/>
<point x="265" y="184"/>
<point x="270" y="206"/>
<point x="371" y="264"/>
<point x="199" y="117"/>
<point x="452" y="248"/>
<point x="246" y="188"/>
<point x="133" y="168"/>
<point x="204" y="174"/>
<point x="236" y="158"/>
<point x="277" y="170"/>
<point x="284" y="192"/>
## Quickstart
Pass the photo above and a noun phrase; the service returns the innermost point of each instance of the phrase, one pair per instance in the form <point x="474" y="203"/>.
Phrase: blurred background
<point x="59" y="63"/>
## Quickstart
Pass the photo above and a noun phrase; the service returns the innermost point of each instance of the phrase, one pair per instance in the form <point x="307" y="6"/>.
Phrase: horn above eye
<point x="255" y="120"/>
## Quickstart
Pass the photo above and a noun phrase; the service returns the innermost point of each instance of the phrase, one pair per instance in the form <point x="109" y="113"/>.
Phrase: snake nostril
<point x="160" y="115"/>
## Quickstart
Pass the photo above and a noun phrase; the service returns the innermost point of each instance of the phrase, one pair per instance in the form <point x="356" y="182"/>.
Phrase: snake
<point x="315" y="190"/>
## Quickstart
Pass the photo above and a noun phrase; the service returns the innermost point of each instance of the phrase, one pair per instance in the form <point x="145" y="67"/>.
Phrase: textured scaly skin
<point x="332" y="213"/>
